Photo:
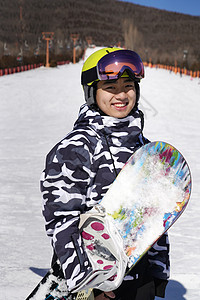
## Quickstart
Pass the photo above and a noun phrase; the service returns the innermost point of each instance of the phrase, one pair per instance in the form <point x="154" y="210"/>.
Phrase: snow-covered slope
<point x="37" y="109"/>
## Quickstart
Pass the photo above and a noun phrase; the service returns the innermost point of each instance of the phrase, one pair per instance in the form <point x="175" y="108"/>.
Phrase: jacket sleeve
<point x="64" y="185"/>
<point x="160" y="264"/>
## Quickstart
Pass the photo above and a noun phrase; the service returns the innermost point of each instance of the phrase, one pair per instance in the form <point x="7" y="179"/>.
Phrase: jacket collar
<point x="109" y="126"/>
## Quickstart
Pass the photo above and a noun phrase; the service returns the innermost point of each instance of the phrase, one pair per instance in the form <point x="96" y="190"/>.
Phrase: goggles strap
<point x="89" y="76"/>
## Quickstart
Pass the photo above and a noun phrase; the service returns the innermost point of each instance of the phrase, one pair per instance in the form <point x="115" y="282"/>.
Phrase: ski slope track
<point x="38" y="108"/>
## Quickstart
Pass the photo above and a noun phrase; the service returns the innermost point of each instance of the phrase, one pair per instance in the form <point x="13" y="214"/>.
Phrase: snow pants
<point x="140" y="284"/>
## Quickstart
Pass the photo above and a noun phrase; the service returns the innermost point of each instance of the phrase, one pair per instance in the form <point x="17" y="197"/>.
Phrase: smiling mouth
<point x="120" y="105"/>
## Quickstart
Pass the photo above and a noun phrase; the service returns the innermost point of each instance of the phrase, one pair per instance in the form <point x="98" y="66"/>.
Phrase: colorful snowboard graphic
<point x="147" y="197"/>
<point x="150" y="193"/>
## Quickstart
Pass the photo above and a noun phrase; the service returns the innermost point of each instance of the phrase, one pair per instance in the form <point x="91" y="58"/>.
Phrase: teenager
<point x="80" y="169"/>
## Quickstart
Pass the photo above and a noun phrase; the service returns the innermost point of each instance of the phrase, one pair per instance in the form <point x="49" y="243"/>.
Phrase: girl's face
<point x="116" y="98"/>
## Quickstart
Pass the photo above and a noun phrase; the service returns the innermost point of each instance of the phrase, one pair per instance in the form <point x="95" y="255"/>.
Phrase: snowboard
<point x="147" y="197"/>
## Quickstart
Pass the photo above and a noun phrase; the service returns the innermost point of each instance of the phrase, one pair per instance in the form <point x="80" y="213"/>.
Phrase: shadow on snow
<point x="39" y="271"/>
<point x="174" y="291"/>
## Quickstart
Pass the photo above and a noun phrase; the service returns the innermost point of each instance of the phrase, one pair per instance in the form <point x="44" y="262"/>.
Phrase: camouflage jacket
<point x="78" y="172"/>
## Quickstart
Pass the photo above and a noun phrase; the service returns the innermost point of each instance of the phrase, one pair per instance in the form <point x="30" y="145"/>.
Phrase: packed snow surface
<point x="38" y="108"/>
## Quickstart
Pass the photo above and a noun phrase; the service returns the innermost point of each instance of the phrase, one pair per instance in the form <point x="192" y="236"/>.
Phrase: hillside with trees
<point x="157" y="35"/>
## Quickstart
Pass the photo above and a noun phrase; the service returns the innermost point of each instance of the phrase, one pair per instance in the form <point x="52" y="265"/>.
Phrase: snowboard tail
<point x="53" y="287"/>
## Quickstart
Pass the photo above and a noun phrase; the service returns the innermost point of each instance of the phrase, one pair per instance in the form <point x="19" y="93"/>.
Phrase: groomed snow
<point x="38" y="108"/>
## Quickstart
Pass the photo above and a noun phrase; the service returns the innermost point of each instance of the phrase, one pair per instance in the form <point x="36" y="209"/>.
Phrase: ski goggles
<point x="113" y="65"/>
